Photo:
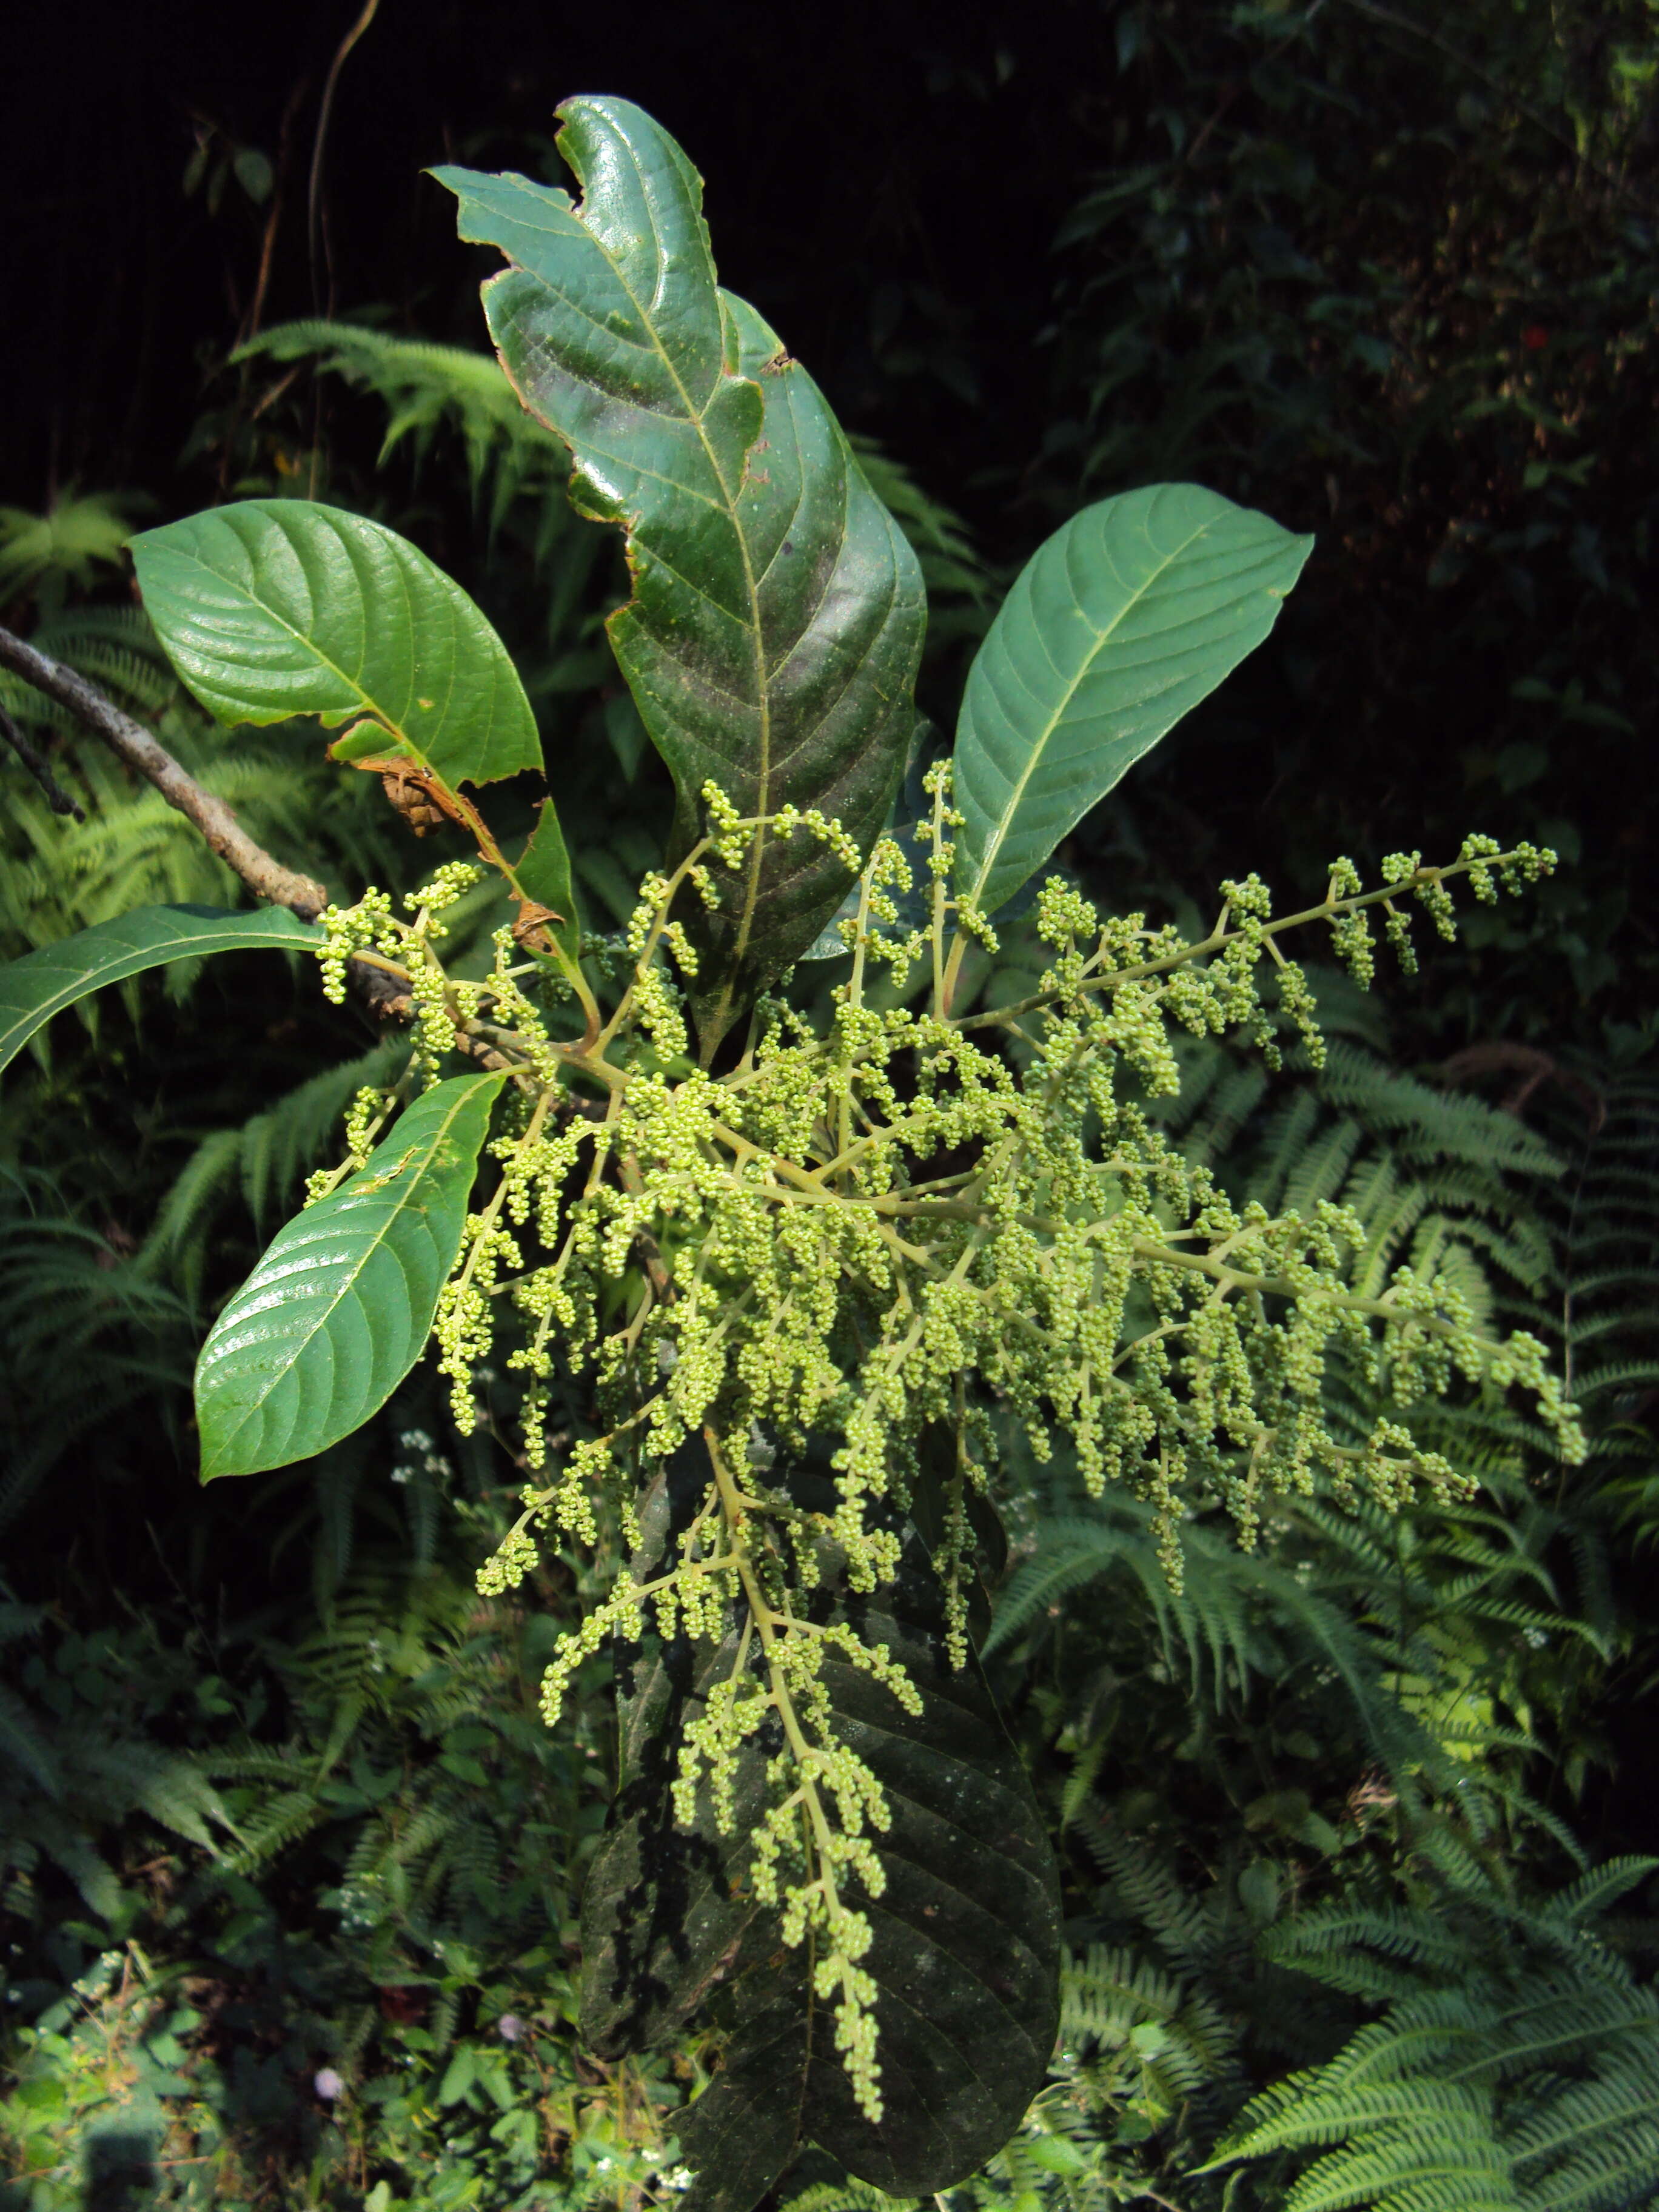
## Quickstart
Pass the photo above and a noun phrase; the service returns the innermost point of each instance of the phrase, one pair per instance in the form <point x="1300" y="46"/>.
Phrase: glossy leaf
<point x="1126" y="618"/>
<point x="773" y="635"/>
<point x="664" y="1908"/>
<point x="966" y="1949"/>
<point x="42" y="982"/>
<point x="339" y="1308"/>
<point x="541" y="875"/>
<point x="271" y="608"/>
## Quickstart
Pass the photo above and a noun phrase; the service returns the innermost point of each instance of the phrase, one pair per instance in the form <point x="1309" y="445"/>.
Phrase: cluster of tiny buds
<point x="367" y="926"/>
<point x="452" y="881"/>
<point x="619" y="1615"/>
<point x="790" y="820"/>
<point x="937" y="819"/>
<point x="867" y="1235"/>
<point x="367" y="1115"/>
<point x="728" y="835"/>
<point x="514" y="1558"/>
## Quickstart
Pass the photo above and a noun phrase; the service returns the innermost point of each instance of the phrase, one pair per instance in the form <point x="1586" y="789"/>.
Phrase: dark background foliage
<point x="1389" y="274"/>
<point x="1392" y="279"/>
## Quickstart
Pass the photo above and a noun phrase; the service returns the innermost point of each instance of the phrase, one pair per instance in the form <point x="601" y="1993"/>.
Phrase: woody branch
<point x="263" y="874"/>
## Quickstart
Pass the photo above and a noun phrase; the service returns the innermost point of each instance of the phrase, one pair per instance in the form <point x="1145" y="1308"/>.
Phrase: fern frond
<point x="1592" y="1892"/>
<point x="847" y="2196"/>
<point x="1522" y="2052"/>
<point x="1434" y="1124"/>
<point x="1617" y="1375"/>
<point x="24" y="1743"/>
<point x="76" y="534"/>
<point x="187" y="1209"/>
<point x="1296" y="2115"/>
<point x="427" y="388"/>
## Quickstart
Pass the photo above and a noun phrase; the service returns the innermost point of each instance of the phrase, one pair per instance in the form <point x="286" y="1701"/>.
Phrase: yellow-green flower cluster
<point x="836" y="1258"/>
<point x="367" y="1115"/>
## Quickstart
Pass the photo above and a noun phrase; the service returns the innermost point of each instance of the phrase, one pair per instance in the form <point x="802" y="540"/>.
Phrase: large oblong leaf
<point x="1124" y="619"/>
<point x="773" y="635"/>
<point x="42" y="982"/>
<point x="339" y="1308"/>
<point x="965" y="1954"/>
<point x="270" y="608"/>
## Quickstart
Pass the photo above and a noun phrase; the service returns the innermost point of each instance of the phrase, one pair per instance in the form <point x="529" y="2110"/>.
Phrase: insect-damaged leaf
<point x="541" y="880"/>
<point x="773" y="635"/>
<point x="271" y="608"/>
<point x="966" y="1933"/>
<point x="339" y="1308"/>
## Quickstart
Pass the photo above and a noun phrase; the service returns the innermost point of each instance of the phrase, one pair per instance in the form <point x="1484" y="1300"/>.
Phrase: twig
<point x="263" y="875"/>
<point x="268" y="241"/>
<point x="645" y="1243"/>
<point x="316" y="216"/>
<point x="57" y="798"/>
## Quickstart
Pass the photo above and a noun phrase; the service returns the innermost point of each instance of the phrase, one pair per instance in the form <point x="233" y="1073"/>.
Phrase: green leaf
<point x="1126" y="618"/>
<point x="1058" y="2153"/>
<point x="271" y="608"/>
<point x="42" y="983"/>
<point x="541" y="874"/>
<point x="458" y="2076"/>
<point x="338" y="1310"/>
<point x="966" y="1948"/>
<point x="664" y="1908"/>
<point x="253" y="174"/>
<point x="772" y="640"/>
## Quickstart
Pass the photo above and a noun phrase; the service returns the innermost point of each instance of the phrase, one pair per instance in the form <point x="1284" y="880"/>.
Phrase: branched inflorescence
<point x="855" y="1243"/>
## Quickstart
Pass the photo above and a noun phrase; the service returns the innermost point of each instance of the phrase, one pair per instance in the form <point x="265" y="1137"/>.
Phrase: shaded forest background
<point x="290" y="1867"/>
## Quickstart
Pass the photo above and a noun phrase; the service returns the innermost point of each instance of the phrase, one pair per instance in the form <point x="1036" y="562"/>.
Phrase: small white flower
<point x="510" y="2027"/>
<point x="327" y="2083"/>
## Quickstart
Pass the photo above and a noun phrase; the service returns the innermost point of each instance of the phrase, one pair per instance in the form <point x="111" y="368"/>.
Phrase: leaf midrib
<point x="762" y="694"/>
<point x="404" y="1197"/>
<point x="364" y="700"/>
<point x="1040" y="749"/>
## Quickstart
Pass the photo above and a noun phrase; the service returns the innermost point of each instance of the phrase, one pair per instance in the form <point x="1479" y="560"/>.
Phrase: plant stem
<point x="767" y="1624"/>
<point x="57" y="798"/>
